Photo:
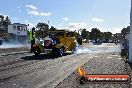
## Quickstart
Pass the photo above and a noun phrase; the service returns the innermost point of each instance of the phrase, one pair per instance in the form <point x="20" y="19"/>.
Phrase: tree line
<point x="106" y="36"/>
<point x="93" y="35"/>
<point x="43" y="28"/>
<point x="4" y="22"/>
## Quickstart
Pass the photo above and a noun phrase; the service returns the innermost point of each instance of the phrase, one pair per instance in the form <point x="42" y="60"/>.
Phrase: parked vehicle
<point x="97" y="42"/>
<point x="1" y="41"/>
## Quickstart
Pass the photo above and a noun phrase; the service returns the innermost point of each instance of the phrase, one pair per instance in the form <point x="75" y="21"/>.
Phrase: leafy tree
<point x="107" y="36"/>
<point x="6" y="22"/>
<point x="43" y="26"/>
<point x="1" y="23"/>
<point x="125" y="31"/>
<point x="43" y="29"/>
<point x="1" y="18"/>
<point x="95" y="34"/>
<point x="85" y="34"/>
<point x="102" y="35"/>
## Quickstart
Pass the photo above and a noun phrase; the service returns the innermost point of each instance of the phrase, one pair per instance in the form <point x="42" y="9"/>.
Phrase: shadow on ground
<point x="41" y="57"/>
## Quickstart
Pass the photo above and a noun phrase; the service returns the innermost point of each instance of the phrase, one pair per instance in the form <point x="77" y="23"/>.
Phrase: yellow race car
<point x="57" y="42"/>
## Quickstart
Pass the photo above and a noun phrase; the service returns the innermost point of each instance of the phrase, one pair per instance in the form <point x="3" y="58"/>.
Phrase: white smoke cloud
<point x="31" y="7"/>
<point x="33" y="10"/>
<point x="77" y="26"/>
<point x="103" y="48"/>
<point x="83" y="25"/>
<point x="116" y="30"/>
<point x="97" y="19"/>
<point x="17" y="45"/>
<point x="38" y="13"/>
<point x="65" y="18"/>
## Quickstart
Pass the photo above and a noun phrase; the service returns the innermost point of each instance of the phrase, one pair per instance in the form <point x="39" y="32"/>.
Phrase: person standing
<point x="32" y="38"/>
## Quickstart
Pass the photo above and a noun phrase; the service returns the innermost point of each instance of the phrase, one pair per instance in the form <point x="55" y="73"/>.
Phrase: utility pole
<point x="130" y="37"/>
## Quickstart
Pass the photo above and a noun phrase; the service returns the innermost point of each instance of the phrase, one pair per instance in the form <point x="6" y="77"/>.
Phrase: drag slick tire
<point x="60" y="52"/>
<point x="36" y="51"/>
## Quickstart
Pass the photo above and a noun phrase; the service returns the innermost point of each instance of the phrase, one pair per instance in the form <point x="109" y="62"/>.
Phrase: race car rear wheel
<point x="60" y="51"/>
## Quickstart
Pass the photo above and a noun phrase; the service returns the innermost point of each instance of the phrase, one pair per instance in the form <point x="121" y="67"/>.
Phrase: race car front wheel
<point x="37" y="51"/>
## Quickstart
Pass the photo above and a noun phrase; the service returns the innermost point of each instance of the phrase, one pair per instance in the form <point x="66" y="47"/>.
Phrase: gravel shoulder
<point x="107" y="63"/>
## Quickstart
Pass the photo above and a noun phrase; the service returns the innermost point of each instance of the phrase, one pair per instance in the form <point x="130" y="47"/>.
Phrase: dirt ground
<point x="10" y="50"/>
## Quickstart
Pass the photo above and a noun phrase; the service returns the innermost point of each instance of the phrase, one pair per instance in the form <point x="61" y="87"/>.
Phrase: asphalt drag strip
<point x="28" y="71"/>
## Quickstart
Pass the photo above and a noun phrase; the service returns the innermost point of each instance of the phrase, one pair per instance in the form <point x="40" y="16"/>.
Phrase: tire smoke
<point x="108" y="48"/>
<point x="14" y="45"/>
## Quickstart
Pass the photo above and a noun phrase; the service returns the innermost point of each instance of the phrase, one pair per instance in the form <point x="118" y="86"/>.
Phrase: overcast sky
<point x="108" y="15"/>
